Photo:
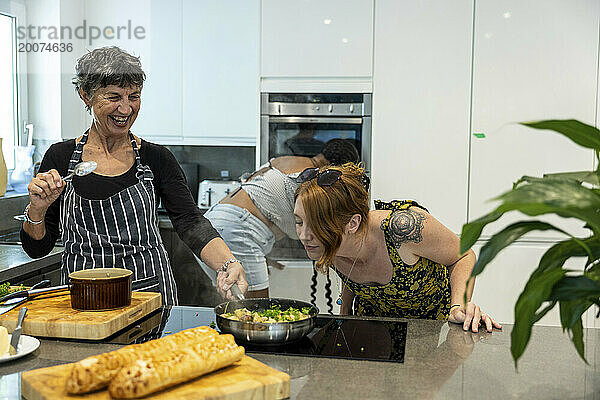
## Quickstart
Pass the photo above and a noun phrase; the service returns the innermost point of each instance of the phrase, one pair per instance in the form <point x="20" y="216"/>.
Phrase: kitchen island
<point x="438" y="360"/>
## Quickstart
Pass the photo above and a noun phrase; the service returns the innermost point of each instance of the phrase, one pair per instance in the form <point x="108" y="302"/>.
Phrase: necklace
<point x="339" y="301"/>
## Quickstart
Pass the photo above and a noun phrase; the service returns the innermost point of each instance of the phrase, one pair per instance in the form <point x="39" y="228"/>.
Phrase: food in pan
<point x="149" y="375"/>
<point x="96" y="372"/>
<point x="271" y="315"/>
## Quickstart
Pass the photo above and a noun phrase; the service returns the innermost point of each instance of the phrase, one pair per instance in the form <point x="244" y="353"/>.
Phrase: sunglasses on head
<point x="327" y="178"/>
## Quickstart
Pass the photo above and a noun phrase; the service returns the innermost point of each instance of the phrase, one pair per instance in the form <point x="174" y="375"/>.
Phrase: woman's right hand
<point x="235" y="275"/>
<point x="44" y="189"/>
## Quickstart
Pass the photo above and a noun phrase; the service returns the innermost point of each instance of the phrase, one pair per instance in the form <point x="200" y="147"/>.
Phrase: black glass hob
<point x="332" y="336"/>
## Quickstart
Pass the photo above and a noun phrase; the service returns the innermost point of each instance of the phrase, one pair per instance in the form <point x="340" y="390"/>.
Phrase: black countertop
<point x="441" y="361"/>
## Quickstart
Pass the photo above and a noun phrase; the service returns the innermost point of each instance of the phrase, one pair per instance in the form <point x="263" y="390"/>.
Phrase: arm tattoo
<point x="405" y="226"/>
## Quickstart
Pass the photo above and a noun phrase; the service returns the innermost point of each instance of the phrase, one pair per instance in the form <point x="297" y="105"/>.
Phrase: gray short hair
<point x="107" y="66"/>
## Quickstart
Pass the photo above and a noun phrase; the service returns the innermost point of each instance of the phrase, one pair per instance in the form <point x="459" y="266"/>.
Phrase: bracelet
<point x="455" y="305"/>
<point x="226" y="264"/>
<point x="29" y="220"/>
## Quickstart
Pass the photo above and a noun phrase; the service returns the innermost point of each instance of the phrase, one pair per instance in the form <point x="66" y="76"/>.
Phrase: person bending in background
<point x="395" y="261"/>
<point x="260" y="212"/>
<point x="109" y="217"/>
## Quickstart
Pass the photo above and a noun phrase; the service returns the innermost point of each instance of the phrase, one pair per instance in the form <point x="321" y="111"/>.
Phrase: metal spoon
<point x="81" y="169"/>
<point x="236" y="292"/>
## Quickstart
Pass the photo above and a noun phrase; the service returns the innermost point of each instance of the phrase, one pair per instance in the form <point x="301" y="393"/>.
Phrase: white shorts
<point x="248" y="238"/>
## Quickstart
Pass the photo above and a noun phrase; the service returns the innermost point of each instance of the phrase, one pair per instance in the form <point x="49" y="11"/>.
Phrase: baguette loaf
<point x="150" y="375"/>
<point x="96" y="372"/>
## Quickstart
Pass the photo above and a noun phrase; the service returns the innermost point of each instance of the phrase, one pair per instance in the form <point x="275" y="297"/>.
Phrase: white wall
<point x="75" y="119"/>
<point x="44" y="74"/>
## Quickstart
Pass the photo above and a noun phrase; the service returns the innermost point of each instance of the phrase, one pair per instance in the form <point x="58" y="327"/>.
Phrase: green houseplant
<point x="569" y="195"/>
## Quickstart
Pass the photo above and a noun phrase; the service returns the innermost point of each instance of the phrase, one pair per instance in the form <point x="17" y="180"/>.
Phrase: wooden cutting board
<point x="52" y="316"/>
<point x="246" y="379"/>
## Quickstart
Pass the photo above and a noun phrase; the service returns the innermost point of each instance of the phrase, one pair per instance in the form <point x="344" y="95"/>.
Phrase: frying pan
<point x="262" y="333"/>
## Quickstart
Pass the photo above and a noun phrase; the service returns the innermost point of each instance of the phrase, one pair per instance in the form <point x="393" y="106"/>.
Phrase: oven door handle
<point x="317" y="120"/>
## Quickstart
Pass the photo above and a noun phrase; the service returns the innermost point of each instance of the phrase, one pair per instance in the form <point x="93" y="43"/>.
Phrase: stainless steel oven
<point x="302" y="123"/>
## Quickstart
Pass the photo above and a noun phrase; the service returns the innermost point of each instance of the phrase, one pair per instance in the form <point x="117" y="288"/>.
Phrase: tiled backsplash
<point x="213" y="159"/>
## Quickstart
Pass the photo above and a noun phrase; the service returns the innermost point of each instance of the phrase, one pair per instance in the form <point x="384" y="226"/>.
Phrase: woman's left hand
<point x="472" y="317"/>
<point x="233" y="276"/>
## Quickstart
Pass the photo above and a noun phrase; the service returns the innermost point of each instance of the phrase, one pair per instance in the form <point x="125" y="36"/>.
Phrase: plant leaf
<point x="535" y="293"/>
<point x="580" y="176"/>
<point x="556" y="255"/>
<point x="570" y="319"/>
<point x="540" y="314"/>
<point x="472" y="231"/>
<point x="565" y="198"/>
<point x="593" y="272"/>
<point x="574" y="288"/>
<point x="577" y="339"/>
<point x="571" y="311"/>
<point x="538" y="196"/>
<point x="580" y="133"/>
<point x="504" y="238"/>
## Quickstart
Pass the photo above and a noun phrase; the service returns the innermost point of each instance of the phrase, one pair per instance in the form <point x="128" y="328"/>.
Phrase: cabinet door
<point x="420" y="105"/>
<point x="315" y="38"/>
<point x="498" y="287"/>
<point x="532" y="60"/>
<point x="220" y="71"/>
<point x="158" y="44"/>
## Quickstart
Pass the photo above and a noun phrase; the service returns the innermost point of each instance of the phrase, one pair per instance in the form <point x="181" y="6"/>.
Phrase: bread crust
<point x="149" y="375"/>
<point x="96" y="372"/>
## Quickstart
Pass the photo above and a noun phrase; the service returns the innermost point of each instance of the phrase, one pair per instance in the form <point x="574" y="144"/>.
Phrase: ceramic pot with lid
<point x="100" y="289"/>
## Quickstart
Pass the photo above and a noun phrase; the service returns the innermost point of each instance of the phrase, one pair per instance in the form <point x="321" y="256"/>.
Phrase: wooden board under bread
<point x="54" y="317"/>
<point x="245" y="379"/>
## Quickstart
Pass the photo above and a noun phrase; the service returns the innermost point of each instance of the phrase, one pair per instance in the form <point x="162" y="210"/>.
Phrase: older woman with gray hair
<point x="109" y="217"/>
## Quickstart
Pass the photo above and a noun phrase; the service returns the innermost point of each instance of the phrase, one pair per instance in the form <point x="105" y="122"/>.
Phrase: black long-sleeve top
<point x="169" y="186"/>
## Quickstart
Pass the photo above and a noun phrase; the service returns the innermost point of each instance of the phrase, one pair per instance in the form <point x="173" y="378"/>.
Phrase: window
<point x="8" y="88"/>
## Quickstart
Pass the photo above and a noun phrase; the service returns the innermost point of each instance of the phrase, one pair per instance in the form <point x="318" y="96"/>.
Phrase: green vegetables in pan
<point x="271" y="315"/>
<point x="6" y="289"/>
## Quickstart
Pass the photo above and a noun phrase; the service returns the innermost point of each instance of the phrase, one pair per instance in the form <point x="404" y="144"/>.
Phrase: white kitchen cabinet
<point x="159" y="47"/>
<point x="294" y="282"/>
<point x="533" y="60"/>
<point x="316" y="38"/>
<point x="421" y="89"/>
<point x="221" y="72"/>
<point x="498" y="287"/>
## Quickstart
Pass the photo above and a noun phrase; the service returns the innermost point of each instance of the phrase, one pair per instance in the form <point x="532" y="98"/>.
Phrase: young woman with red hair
<point x="394" y="261"/>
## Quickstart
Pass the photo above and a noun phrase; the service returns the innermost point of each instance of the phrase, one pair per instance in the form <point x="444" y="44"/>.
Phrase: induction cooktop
<point x="332" y="336"/>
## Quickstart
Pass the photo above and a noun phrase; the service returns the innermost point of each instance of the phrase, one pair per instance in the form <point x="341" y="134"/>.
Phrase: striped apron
<point x="118" y="232"/>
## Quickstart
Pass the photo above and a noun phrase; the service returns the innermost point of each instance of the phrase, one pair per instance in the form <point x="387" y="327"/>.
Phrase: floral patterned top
<point x="421" y="290"/>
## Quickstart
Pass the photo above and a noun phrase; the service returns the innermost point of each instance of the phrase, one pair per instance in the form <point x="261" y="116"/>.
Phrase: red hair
<point x="329" y="209"/>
